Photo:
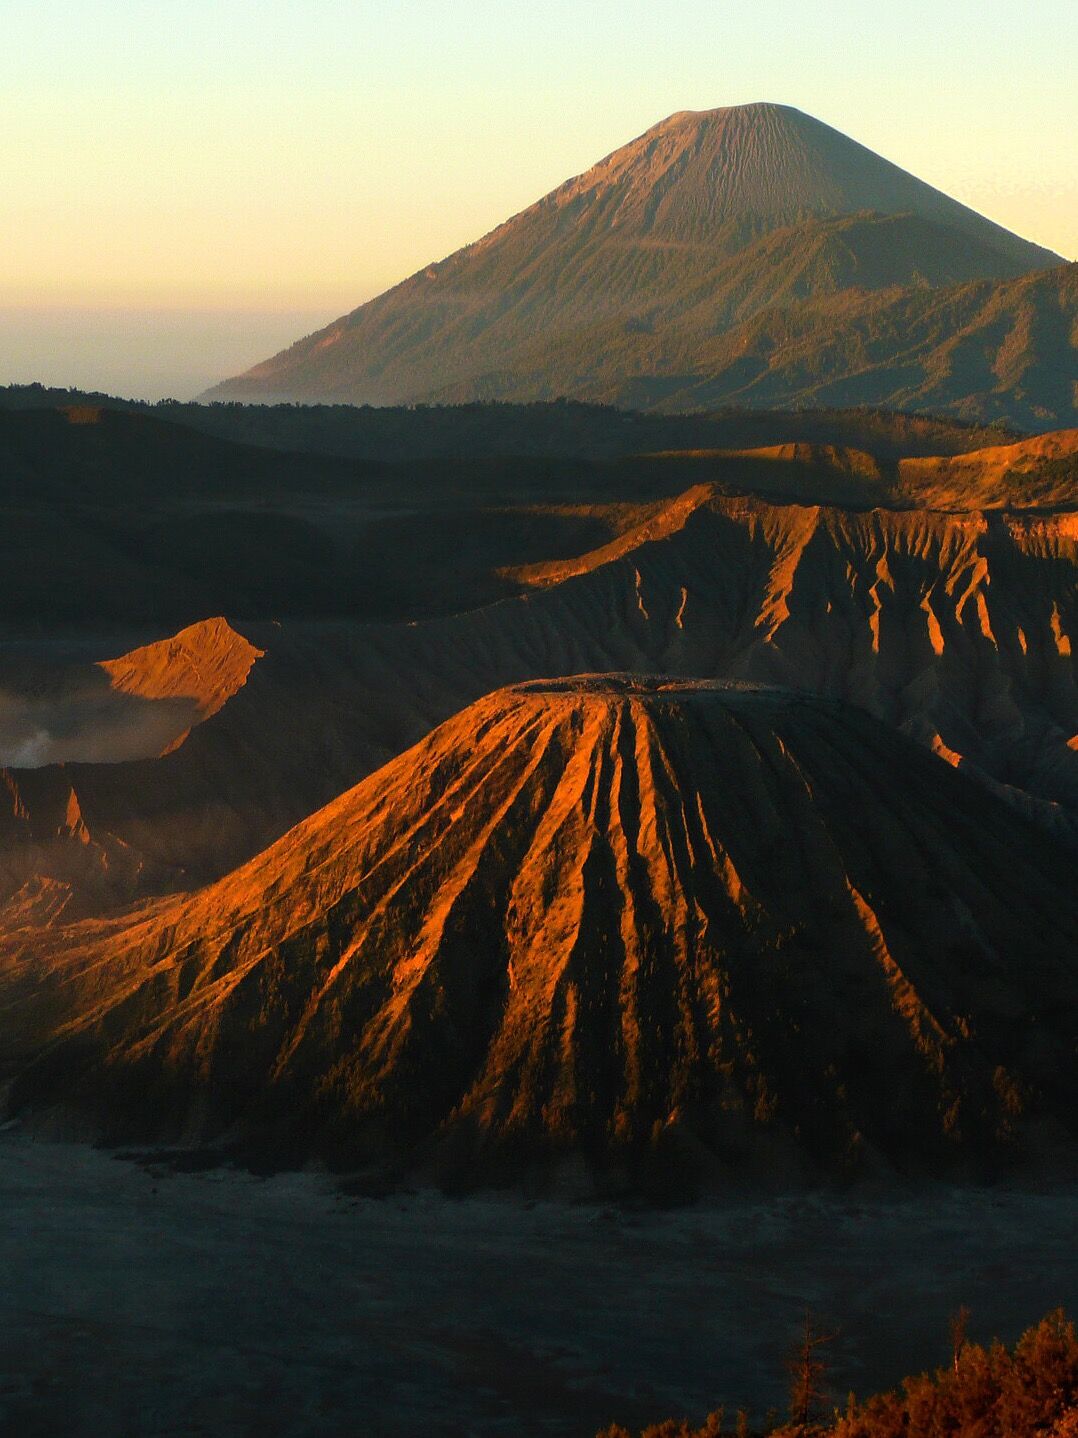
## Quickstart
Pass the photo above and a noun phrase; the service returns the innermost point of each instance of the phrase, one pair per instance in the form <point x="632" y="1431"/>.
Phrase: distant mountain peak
<point x="655" y="240"/>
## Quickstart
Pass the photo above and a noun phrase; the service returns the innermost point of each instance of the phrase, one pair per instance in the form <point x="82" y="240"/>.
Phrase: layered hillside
<point x="982" y="352"/>
<point x="626" y="274"/>
<point x="753" y="931"/>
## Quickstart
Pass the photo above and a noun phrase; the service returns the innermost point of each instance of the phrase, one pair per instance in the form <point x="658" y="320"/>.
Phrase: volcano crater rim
<point x="625" y="684"/>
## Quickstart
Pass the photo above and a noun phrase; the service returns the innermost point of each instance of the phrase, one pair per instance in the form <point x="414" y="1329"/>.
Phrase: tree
<point x="957" y="1328"/>
<point x="808" y="1372"/>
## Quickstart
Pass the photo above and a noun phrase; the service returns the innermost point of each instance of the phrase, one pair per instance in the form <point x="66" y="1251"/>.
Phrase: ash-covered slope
<point x="630" y="269"/>
<point x="750" y="932"/>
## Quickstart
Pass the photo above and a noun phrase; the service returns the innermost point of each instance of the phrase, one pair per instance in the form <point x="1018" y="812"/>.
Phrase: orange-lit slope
<point x="205" y="663"/>
<point x="1034" y="472"/>
<point x="202" y="667"/>
<point x="603" y="915"/>
<point x="141" y="705"/>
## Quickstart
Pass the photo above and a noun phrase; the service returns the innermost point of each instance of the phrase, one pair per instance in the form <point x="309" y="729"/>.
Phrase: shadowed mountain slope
<point x="747" y="931"/>
<point x="127" y="519"/>
<point x="703" y="222"/>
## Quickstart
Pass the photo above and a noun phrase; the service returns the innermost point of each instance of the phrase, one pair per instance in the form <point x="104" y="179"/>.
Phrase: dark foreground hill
<point x="647" y="279"/>
<point x="683" y="931"/>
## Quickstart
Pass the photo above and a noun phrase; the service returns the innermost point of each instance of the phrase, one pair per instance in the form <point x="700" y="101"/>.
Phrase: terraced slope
<point x="744" y="932"/>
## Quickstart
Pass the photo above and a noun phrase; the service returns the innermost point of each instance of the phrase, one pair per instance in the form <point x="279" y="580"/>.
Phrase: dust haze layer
<point x="750" y="933"/>
<point x="621" y="280"/>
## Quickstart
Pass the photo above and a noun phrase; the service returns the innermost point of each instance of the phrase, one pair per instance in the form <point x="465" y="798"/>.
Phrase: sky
<point x="188" y="185"/>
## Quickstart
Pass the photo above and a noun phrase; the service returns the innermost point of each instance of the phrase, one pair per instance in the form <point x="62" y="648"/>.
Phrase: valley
<point x="469" y="1315"/>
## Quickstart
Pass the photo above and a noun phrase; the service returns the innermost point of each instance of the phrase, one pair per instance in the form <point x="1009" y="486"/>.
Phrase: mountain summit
<point x="629" y="271"/>
<point x="758" y="167"/>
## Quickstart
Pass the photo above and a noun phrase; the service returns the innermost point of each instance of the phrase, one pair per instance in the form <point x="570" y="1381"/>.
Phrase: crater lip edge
<point x="625" y="684"/>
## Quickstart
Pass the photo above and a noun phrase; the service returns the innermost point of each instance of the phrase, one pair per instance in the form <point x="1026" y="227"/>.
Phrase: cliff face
<point x="753" y="931"/>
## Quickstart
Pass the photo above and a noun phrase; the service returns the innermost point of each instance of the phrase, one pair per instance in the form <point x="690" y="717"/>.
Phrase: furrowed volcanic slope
<point x="612" y="916"/>
<point x="619" y="284"/>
